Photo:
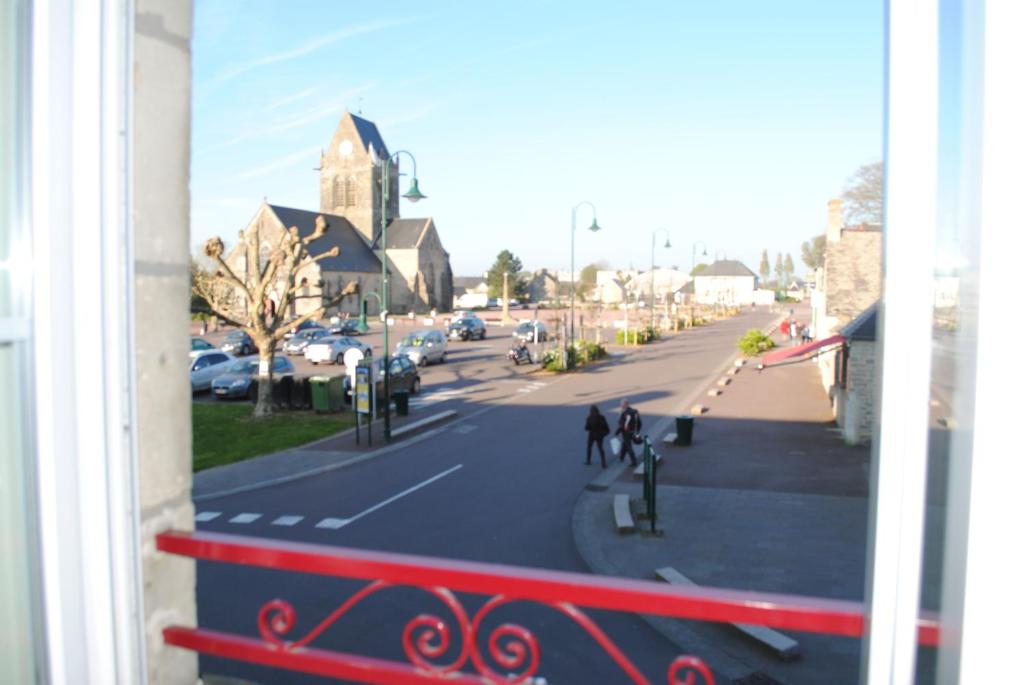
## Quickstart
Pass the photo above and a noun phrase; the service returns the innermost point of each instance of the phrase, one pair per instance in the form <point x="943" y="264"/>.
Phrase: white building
<point x="727" y="282"/>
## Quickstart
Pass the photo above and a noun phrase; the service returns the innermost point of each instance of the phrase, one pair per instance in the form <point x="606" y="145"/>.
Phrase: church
<point x="419" y="270"/>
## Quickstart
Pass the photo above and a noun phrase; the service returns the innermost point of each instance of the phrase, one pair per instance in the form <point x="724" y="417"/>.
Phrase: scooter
<point x="519" y="355"/>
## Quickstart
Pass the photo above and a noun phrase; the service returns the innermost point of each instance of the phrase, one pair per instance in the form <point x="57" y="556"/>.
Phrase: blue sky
<point x="731" y="123"/>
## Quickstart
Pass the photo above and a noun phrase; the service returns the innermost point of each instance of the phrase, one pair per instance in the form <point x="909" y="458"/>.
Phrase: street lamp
<point x="412" y="195"/>
<point x="693" y="255"/>
<point x="668" y="244"/>
<point x="572" y="270"/>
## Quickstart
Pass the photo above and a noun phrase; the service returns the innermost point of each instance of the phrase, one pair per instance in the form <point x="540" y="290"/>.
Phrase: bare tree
<point x="247" y="300"/>
<point x="862" y="197"/>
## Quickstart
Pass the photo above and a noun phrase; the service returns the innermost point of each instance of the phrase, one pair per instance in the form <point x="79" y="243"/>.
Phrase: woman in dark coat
<point x="597" y="428"/>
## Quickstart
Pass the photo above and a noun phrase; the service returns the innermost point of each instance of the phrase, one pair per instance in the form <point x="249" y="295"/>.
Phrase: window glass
<point x="19" y="649"/>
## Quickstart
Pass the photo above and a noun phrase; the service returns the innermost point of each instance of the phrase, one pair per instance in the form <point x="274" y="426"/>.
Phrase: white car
<point x="333" y="349"/>
<point x="206" y="366"/>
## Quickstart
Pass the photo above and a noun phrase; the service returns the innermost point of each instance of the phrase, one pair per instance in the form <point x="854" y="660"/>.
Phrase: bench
<point x="783" y="646"/>
<point x="623" y="516"/>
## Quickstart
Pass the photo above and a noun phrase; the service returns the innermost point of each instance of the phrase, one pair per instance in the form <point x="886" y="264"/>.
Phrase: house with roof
<point x="726" y="282"/>
<point x="419" y="268"/>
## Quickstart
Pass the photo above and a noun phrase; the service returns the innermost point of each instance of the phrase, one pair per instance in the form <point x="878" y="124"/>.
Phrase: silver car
<point x="332" y="348"/>
<point x="206" y="366"/>
<point x="424" y="347"/>
<point x="298" y="342"/>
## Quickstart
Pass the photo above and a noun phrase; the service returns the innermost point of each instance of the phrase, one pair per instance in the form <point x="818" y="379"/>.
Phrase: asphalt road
<point x="498" y="485"/>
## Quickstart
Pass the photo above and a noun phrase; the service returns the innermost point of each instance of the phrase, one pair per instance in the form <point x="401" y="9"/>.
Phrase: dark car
<point x="469" y="328"/>
<point x="404" y="376"/>
<point x="239" y="379"/>
<point x="524" y="331"/>
<point x="347" y="327"/>
<point x="239" y="344"/>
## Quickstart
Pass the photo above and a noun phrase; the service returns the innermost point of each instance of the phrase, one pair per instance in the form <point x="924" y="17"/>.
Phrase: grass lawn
<point x="224" y="433"/>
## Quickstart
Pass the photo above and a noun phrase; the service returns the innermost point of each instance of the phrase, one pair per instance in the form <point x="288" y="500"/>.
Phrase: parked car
<point x="240" y="379"/>
<point x="207" y="365"/>
<point x="305" y="325"/>
<point x="404" y="376"/>
<point x="468" y="328"/>
<point x="238" y="343"/>
<point x="346" y="327"/>
<point x="200" y="345"/>
<point x="524" y="331"/>
<point x="333" y="348"/>
<point x="423" y="347"/>
<point x="297" y="345"/>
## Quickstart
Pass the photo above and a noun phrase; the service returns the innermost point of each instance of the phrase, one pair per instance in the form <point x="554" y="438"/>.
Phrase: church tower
<point x="350" y="173"/>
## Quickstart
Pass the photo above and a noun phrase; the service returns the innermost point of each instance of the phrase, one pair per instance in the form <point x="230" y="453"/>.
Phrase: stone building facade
<point x="351" y="169"/>
<point x="845" y="301"/>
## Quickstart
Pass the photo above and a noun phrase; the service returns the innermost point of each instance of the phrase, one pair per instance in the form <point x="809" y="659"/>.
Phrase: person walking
<point x="597" y="428"/>
<point x="629" y="428"/>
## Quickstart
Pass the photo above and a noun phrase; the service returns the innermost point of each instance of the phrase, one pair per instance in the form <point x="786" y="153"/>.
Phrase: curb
<point x="358" y="459"/>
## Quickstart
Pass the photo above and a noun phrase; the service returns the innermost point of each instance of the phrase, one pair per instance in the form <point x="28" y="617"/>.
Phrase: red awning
<point x="778" y="355"/>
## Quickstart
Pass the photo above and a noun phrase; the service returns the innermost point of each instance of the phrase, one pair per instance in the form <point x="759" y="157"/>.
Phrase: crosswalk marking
<point x="245" y="518"/>
<point x="331" y="523"/>
<point x="439" y="395"/>
<point x="207" y="516"/>
<point x="287" y="520"/>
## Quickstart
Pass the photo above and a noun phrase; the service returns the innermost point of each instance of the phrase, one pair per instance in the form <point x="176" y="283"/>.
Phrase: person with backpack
<point x="597" y="428"/>
<point x="629" y="429"/>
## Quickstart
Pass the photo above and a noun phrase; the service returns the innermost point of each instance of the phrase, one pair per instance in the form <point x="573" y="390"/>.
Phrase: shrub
<point x="754" y="342"/>
<point x="640" y="336"/>
<point x="580" y="353"/>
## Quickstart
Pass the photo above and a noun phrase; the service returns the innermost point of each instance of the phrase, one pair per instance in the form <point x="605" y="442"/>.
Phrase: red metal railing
<point x="427" y="638"/>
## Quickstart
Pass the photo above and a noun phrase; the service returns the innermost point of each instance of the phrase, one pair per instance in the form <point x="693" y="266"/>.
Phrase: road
<point x="498" y="485"/>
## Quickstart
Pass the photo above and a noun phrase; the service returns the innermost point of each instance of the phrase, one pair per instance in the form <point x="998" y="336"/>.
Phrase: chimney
<point x="835" y="221"/>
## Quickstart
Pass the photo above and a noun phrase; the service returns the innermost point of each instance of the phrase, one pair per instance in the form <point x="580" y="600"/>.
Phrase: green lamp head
<point x="414" y="194"/>
<point x="667" y="243"/>
<point x="593" y="225"/>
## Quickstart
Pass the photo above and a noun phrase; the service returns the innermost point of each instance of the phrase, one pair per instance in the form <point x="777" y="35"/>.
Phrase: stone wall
<point x="853" y="274"/>
<point x="161" y="101"/>
<point x="855" y="410"/>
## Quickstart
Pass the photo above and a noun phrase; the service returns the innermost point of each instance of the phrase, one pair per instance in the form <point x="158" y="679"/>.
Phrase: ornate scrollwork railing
<point x="514" y="651"/>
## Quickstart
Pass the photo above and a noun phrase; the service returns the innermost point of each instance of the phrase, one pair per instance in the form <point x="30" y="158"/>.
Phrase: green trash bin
<point x="402" y="402"/>
<point x="319" y="394"/>
<point x="684" y="430"/>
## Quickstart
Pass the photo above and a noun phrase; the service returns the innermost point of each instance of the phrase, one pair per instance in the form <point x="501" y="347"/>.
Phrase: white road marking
<point x="389" y="500"/>
<point x="524" y="390"/>
<point x="439" y="395"/>
<point x="245" y="518"/>
<point x="464" y="428"/>
<point x="332" y="524"/>
<point x="287" y="520"/>
<point x="207" y="516"/>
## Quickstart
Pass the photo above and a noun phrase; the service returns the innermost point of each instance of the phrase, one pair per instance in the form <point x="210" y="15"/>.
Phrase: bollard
<point x="684" y="430"/>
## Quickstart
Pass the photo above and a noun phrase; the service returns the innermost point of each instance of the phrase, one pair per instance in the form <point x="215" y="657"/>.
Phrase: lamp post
<point x="413" y="195"/>
<point x="668" y="244"/>
<point x="693" y="255"/>
<point x="572" y="270"/>
<point x="504" y="298"/>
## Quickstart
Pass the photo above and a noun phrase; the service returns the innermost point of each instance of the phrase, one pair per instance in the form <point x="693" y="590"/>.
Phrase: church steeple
<point x="349" y="178"/>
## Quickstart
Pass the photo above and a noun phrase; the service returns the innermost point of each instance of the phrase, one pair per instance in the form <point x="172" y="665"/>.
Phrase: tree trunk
<point x="265" y="393"/>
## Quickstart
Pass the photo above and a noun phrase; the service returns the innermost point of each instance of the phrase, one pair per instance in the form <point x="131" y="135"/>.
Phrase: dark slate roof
<point x="355" y="255"/>
<point x="726" y="267"/>
<point x="467" y="281"/>
<point x="688" y="289"/>
<point x="864" y="327"/>
<point x="403" y="234"/>
<point x="368" y="133"/>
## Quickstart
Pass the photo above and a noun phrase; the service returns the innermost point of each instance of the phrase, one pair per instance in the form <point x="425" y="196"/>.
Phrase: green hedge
<point x="755" y="342"/>
<point x="640" y="336"/>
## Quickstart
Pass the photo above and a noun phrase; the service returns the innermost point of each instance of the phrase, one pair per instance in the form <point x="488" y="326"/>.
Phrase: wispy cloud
<point x="291" y="98"/>
<point x="309" y="154"/>
<point x="308" y="47"/>
<point x="408" y="117"/>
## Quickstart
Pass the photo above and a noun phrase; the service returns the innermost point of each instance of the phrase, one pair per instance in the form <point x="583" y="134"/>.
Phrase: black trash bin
<point x="282" y="391"/>
<point x="684" y="430"/>
<point x="299" y="397"/>
<point x="402" y="402"/>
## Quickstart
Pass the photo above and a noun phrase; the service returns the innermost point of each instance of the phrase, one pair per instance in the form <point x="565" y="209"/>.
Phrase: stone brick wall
<point x="160" y="202"/>
<point x="853" y="274"/>
<point x="856" y="413"/>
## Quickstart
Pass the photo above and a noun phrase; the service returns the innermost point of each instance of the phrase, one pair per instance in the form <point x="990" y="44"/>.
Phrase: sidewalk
<point x="767" y="498"/>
